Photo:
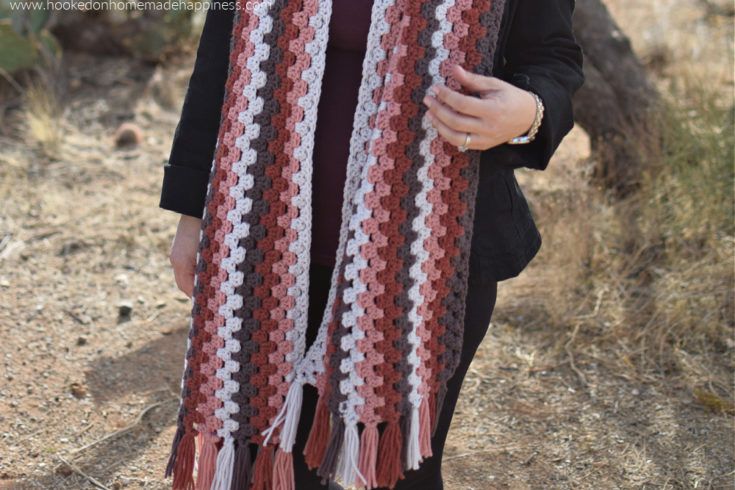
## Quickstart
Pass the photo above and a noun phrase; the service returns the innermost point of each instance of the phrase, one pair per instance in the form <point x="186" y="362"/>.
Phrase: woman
<point x="515" y="117"/>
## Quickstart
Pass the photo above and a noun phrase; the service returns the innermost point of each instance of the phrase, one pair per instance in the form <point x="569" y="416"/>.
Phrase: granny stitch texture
<point x="391" y="334"/>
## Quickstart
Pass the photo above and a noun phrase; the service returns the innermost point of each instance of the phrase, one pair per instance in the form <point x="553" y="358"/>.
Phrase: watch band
<point x="531" y="134"/>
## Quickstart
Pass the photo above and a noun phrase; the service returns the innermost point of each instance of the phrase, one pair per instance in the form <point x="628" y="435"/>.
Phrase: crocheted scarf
<point x="390" y="336"/>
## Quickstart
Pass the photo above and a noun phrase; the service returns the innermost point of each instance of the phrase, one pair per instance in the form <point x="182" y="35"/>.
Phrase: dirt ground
<point x="94" y="329"/>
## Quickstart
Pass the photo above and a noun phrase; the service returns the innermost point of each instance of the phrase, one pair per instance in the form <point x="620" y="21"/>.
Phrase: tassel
<point x="425" y="428"/>
<point x="369" y="455"/>
<point x="289" y="415"/>
<point x="389" y="456"/>
<point x="184" y="468"/>
<point x="432" y="410"/>
<point x="342" y="460"/>
<point x="263" y="472"/>
<point x="174" y="450"/>
<point x="329" y="463"/>
<point x="200" y="441"/>
<point x="225" y="465"/>
<point x="349" y="456"/>
<point x="207" y="462"/>
<point x="242" y="466"/>
<point x="405" y="434"/>
<point x="413" y="452"/>
<point x="439" y="404"/>
<point x="316" y="445"/>
<point x="283" y="476"/>
<point x="294" y="401"/>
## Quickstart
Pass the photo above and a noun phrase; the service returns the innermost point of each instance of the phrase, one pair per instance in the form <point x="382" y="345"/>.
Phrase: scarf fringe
<point x="389" y="456"/>
<point x="242" y="466"/>
<point x="289" y="415"/>
<point x="174" y="451"/>
<point x="425" y="428"/>
<point x="349" y="468"/>
<point x="369" y="455"/>
<point x="368" y="460"/>
<point x="405" y="425"/>
<point x="413" y="450"/>
<point x="329" y="461"/>
<point x="183" y="469"/>
<point x="432" y="411"/>
<point x="225" y="466"/>
<point x="207" y="462"/>
<point x="439" y="405"/>
<point x="316" y="444"/>
<point x="263" y="470"/>
<point x="199" y="444"/>
<point x="283" y="474"/>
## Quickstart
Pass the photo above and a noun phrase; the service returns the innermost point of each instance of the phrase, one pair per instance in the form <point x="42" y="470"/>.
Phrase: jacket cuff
<point x="184" y="190"/>
<point x="554" y="124"/>
<point x="535" y="154"/>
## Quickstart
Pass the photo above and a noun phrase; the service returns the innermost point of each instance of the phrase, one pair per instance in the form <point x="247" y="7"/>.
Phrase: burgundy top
<point x="348" y="31"/>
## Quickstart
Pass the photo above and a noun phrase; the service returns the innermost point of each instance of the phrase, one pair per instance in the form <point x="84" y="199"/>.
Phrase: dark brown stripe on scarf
<point x="455" y="303"/>
<point x="269" y="221"/>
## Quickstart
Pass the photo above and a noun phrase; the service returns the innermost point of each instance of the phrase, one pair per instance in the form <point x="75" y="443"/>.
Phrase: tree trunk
<point x="616" y="102"/>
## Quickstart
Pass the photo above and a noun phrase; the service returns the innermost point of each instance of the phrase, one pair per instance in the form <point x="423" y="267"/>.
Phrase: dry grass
<point x="650" y="278"/>
<point x="43" y="117"/>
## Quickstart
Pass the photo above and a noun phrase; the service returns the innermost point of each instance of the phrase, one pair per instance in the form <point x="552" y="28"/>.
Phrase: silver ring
<point x="466" y="143"/>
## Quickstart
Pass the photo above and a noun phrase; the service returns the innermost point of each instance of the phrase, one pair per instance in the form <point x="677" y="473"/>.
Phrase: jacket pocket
<point x="519" y="206"/>
<point x="511" y="191"/>
<point x="505" y="237"/>
<point x="494" y="231"/>
<point x="523" y="219"/>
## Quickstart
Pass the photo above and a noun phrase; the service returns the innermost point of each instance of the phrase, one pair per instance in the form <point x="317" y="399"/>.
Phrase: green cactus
<point x="24" y="39"/>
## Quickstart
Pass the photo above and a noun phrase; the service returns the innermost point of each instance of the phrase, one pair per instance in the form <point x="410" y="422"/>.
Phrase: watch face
<point x="520" y="140"/>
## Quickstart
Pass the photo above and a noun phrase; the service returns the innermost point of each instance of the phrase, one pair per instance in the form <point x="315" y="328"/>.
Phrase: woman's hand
<point x="183" y="254"/>
<point x="500" y="113"/>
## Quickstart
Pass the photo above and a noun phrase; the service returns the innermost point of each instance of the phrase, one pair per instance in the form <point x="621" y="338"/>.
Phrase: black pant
<point x="480" y="304"/>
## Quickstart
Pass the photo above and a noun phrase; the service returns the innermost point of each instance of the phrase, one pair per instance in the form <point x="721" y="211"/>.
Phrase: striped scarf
<point x="390" y="336"/>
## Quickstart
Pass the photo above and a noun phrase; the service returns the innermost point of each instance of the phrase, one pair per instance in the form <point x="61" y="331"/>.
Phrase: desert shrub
<point x="645" y="284"/>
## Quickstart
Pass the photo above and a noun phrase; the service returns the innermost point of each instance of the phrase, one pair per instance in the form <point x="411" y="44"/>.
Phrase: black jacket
<point x="536" y="51"/>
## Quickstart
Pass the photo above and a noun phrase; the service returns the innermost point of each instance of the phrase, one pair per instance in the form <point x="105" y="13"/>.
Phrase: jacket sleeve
<point x="186" y="174"/>
<point x="542" y="55"/>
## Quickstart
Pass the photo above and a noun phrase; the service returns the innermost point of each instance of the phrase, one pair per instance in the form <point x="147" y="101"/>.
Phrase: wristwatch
<point x="531" y="134"/>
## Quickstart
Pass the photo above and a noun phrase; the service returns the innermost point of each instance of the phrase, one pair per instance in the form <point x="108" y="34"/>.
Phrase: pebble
<point x="122" y="279"/>
<point x="78" y="390"/>
<point x="128" y="134"/>
<point x="124" y="309"/>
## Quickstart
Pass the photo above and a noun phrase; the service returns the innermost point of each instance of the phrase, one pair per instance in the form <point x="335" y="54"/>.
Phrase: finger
<point x="474" y="81"/>
<point x="184" y="275"/>
<point x="452" y="118"/>
<point x="456" y="138"/>
<point x="189" y="272"/>
<point x="189" y="287"/>
<point x="461" y="103"/>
